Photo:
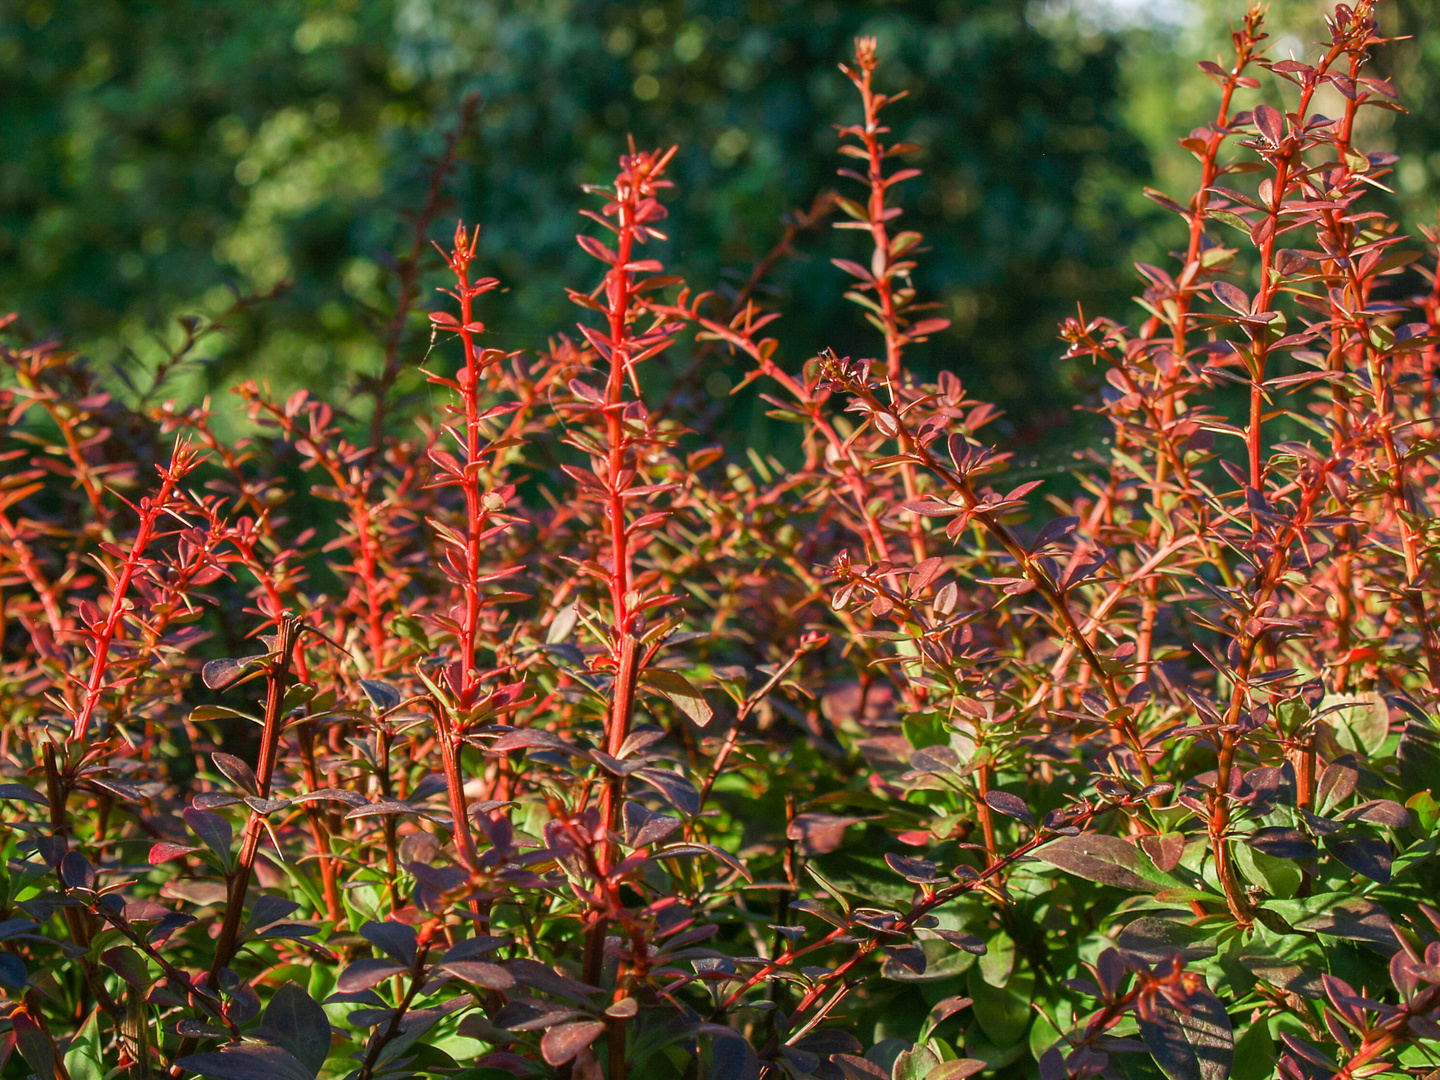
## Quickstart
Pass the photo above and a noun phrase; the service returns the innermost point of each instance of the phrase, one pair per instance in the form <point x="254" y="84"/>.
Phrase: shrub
<point x="582" y="748"/>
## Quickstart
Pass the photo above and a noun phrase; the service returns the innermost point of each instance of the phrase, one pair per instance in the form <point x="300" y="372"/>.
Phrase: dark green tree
<point x="153" y="154"/>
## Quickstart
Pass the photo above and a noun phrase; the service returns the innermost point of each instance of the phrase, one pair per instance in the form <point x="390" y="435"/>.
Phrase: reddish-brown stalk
<point x="797" y="222"/>
<point x="1120" y="716"/>
<point x="891" y="311"/>
<point x="1281" y="142"/>
<point x="1267" y="581"/>
<point x="479" y="506"/>
<point x="103" y="635"/>
<point x="1175" y="314"/>
<point x="740" y="334"/>
<point x="464" y="548"/>
<point x="631" y="214"/>
<point x="277" y="681"/>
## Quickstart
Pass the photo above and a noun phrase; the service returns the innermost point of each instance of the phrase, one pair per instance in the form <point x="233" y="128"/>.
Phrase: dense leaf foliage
<point x="575" y="746"/>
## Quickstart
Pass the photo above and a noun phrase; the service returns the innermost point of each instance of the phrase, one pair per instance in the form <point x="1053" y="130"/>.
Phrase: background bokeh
<point x="157" y="154"/>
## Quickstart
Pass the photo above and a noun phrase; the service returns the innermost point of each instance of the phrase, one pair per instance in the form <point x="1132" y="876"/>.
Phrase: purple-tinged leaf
<point x="917" y="871"/>
<point x="1231" y="296"/>
<point x="1164" y="849"/>
<point x="236" y="771"/>
<point x="365" y="973"/>
<point x="249" y="1061"/>
<point x="212" y="829"/>
<point x="1195" y="1044"/>
<point x="340" y="795"/>
<point x="676" y="788"/>
<point x="943" y="1010"/>
<point x="219" y="674"/>
<point x="675" y="851"/>
<point x="479" y="973"/>
<point x="960" y="940"/>
<point x="1002" y="802"/>
<point x="1385" y="812"/>
<point x="1283" y="843"/>
<point x="560" y="1044"/>
<point x="819" y="834"/>
<point x="23" y="793"/>
<point x="394" y="939"/>
<point x="1366" y="855"/>
<point x="1153" y="939"/>
<point x="1270" y="123"/>
<point x="1108" y="860"/>
<point x="678" y="690"/>
<point x="645" y="827"/>
<point x="294" y="1022"/>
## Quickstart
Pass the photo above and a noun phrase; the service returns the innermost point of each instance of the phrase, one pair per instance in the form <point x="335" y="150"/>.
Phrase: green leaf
<point x="1278" y="877"/>
<point x="682" y="695"/>
<point x="998" y="962"/>
<point x="829" y="886"/>
<point x="220" y="712"/>
<point x="1254" y="1053"/>
<point x="1291" y="962"/>
<point x="1426" y="811"/>
<point x="85" y="1059"/>
<point x="1360" y="721"/>
<point x="1235" y="221"/>
<point x="1043" y="1033"/>
<point x="1290" y="716"/>
<point x="1196" y="1044"/>
<point x="1419" y="756"/>
<point x="1002" y="1012"/>
<point x="865" y="876"/>
<point x="1337" y="914"/>
<point x="410" y="627"/>
<point x="563" y="622"/>
<point x="942" y="961"/>
<point x="926" y="729"/>
<point x="914" y="1064"/>
<point x="296" y="695"/>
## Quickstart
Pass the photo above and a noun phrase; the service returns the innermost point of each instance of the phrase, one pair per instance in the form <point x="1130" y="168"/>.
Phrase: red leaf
<point x="927" y="326"/>
<point x="594" y="247"/>
<point x="562" y="1043"/>
<point x="819" y="833"/>
<point x="1232" y="297"/>
<point x="165" y="851"/>
<point x="854" y="268"/>
<point x="1270" y="123"/>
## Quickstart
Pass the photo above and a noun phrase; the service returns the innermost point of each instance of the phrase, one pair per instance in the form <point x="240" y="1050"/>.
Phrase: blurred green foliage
<point x="154" y="153"/>
<point x="1165" y="94"/>
<point x="157" y="154"/>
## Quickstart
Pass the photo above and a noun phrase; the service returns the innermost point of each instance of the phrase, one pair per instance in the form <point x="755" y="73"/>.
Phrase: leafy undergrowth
<point x="538" y="738"/>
